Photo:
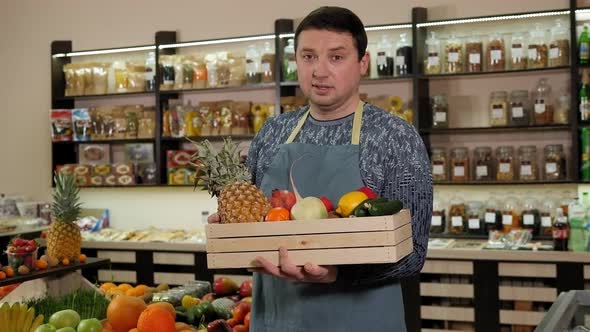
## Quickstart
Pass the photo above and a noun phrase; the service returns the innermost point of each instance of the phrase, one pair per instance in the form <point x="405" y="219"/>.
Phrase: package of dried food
<point x="432" y="62"/>
<point x="121" y="76"/>
<point x="454" y="55"/>
<point x="498" y="108"/>
<point x="94" y="154"/>
<point x="61" y="125"/>
<point x="82" y="124"/>
<point x="559" y="46"/>
<point x="70" y="78"/>
<point x="223" y="70"/>
<point x="178" y="71"/>
<point x="199" y="74"/>
<point x="109" y="121"/>
<point x="135" y="77"/>
<point x="101" y="169"/>
<point x="193" y="123"/>
<point x="459" y="164"/>
<point x="483" y="164"/>
<point x="537" y="49"/>
<point x="211" y="65"/>
<point x="438" y="221"/>
<point x="260" y="113"/>
<point x="237" y="70"/>
<point x="241" y="118"/>
<point x="100" y="78"/>
<point x="267" y="64"/>
<point x="457" y="215"/>
<point x="474" y="54"/>
<point x="120" y="123"/>
<point x="554" y="163"/>
<point x="496" y="53"/>
<point x="132" y="113"/>
<point x="168" y="73"/>
<point x="505" y="169"/>
<point x="439" y="164"/>
<point x="146" y="173"/>
<point x="188" y="74"/>
<point x="206" y="111"/>
<point x="147" y="123"/>
<point x="177" y="118"/>
<point x="120" y="169"/>
<point x="527" y="158"/>
<point x="518" y="56"/>
<point x="226" y="117"/>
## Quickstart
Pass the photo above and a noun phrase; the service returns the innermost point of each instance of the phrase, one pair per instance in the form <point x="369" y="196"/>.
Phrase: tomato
<point x="90" y="325"/>
<point x="65" y="318"/>
<point x="247" y="320"/>
<point x="45" y="328"/>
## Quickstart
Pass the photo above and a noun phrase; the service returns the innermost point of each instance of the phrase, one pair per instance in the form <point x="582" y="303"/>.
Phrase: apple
<point x="309" y="208"/>
<point x="246" y="288"/>
<point x="282" y="198"/>
<point x="45" y="328"/>
<point x="224" y="286"/>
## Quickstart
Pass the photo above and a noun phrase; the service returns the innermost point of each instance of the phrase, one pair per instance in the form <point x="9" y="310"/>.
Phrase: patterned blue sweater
<point x="393" y="162"/>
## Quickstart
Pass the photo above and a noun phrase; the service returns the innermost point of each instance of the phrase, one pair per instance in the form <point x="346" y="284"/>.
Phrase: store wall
<point x="27" y="28"/>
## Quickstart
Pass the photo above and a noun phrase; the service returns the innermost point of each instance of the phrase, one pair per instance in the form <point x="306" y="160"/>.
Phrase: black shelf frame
<point x="487" y="130"/>
<point x="107" y="96"/>
<point x="486" y="74"/>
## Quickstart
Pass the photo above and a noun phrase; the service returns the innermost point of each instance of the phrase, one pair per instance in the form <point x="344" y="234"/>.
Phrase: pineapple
<point x="64" y="238"/>
<point x="229" y="180"/>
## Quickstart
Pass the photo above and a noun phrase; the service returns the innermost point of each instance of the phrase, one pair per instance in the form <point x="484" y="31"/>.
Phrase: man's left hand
<point x="287" y="270"/>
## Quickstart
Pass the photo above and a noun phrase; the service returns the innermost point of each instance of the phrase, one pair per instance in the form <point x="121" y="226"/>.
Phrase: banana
<point x="38" y="321"/>
<point x="14" y="311"/>
<point x="21" y="317"/>
<point x="28" y="320"/>
<point x="4" y="314"/>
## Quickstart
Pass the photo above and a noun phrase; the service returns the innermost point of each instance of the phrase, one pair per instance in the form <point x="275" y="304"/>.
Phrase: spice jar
<point x="453" y="55"/>
<point x="440" y="111"/>
<point x="531" y="217"/>
<point x="527" y="160"/>
<point x="457" y="215"/>
<point x="439" y="164"/>
<point x="459" y="164"/>
<point x="505" y="163"/>
<point x="384" y="57"/>
<point x="559" y="45"/>
<point x="253" y="65"/>
<point x="511" y="213"/>
<point x="474" y="214"/>
<point x="403" y="56"/>
<point x="483" y="163"/>
<point x="167" y="63"/>
<point x="496" y="53"/>
<point x="537" y="50"/>
<point x="542" y="103"/>
<point x="267" y="64"/>
<point x="548" y="214"/>
<point x="561" y="114"/>
<point x="518" y="59"/>
<point x="519" y="108"/>
<point x="498" y="108"/>
<point x="438" y="222"/>
<point x="432" y="60"/>
<point x="474" y="54"/>
<point x="493" y="215"/>
<point x="554" y="165"/>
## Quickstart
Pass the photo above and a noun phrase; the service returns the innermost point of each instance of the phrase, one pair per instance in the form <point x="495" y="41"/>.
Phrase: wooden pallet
<point x="369" y="240"/>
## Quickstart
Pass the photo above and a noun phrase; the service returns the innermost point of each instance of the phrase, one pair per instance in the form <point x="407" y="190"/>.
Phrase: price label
<point x="546" y="221"/>
<point x="496" y="55"/>
<point x="459" y="171"/>
<point x="528" y="219"/>
<point x="266" y="67"/>
<point x="440" y="117"/>
<point x="533" y="53"/>
<point x="436" y="221"/>
<point x="433" y="61"/>
<point x="481" y="171"/>
<point x="453" y="57"/>
<point x="381" y="59"/>
<point x="551" y="168"/>
<point x="473" y="224"/>
<point x="507" y="219"/>
<point x="517" y="52"/>
<point x="490" y="217"/>
<point x="505" y="168"/>
<point x="475" y="58"/>
<point x="498" y="113"/>
<point x="540" y="108"/>
<point x="438" y="170"/>
<point x="400" y="60"/>
<point x="526" y="170"/>
<point x="457" y="221"/>
<point x="554" y="53"/>
<point x="517" y="112"/>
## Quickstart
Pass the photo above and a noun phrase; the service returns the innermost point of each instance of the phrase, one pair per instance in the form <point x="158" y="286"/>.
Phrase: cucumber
<point x="361" y="210"/>
<point x="385" y="208"/>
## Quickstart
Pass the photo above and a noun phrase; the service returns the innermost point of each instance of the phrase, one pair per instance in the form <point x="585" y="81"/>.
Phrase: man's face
<point x="328" y="67"/>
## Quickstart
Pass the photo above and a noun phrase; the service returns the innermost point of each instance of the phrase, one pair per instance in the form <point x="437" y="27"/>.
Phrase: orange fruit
<point x="166" y="306"/>
<point x="82" y="258"/>
<point x="107" y="285"/>
<point x="130" y="292"/>
<point x="142" y="288"/>
<point x="2" y="275"/>
<point x="278" y="214"/>
<point x="182" y="327"/>
<point x="124" y="287"/>
<point x="133" y="330"/>
<point x="9" y="271"/>
<point x="41" y="265"/>
<point x="123" y="312"/>
<point x="115" y="291"/>
<point x="155" y="319"/>
<point x="65" y="261"/>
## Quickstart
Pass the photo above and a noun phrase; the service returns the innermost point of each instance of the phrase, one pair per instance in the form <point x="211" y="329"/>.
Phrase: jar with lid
<point x="531" y="217"/>
<point x="439" y="164"/>
<point x="432" y="63"/>
<point x="474" y="211"/>
<point x="496" y="53"/>
<point x="493" y="215"/>
<point x="559" y="45"/>
<point x="505" y="168"/>
<point x="554" y="163"/>
<point x="518" y="57"/>
<point x="438" y="223"/>
<point x="519" y="108"/>
<point x="561" y="114"/>
<point x="564" y="202"/>
<point x="267" y="64"/>
<point x="537" y="50"/>
<point x="474" y="54"/>
<point x="527" y="161"/>
<point x="542" y="103"/>
<point x="253" y="65"/>
<point x="384" y="57"/>
<point x="548" y="214"/>
<point x="289" y="62"/>
<point x="483" y="163"/>
<point x="457" y="215"/>
<point x="440" y="111"/>
<point x="199" y="74"/>
<point x="511" y="213"/>
<point x="168" y="74"/>
<point x="403" y="56"/>
<point x="459" y="164"/>
<point x="454" y="55"/>
<point x="498" y="108"/>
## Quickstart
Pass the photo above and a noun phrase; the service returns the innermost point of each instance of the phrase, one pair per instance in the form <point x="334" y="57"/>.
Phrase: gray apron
<point x="285" y="306"/>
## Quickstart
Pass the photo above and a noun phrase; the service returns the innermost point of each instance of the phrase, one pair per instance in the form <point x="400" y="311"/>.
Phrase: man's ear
<point x="364" y="63"/>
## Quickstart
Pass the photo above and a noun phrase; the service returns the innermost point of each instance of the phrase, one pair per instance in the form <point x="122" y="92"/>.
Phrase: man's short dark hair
<point x="336" y="19"/>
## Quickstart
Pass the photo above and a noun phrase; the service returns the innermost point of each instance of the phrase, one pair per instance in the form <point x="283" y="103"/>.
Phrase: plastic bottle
<point x="560" y="231"/>
<point x="577" y="218"/>
<point x="584" y="46"/>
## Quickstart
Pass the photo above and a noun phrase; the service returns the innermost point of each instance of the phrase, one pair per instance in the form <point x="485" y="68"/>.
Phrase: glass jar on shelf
<point x="289" y="62"/>
<point x="438" y="223"/>
<point x="498" y="108"/>
<point x="537" y="49"/>
<point x="483" y="164"/>
<point x="453" y="55"/>
<point x="496" y="53"/>
<point x="440" y="111"/>
<point x="518" y="57"/>
<point x="548" y="214"/>
<point x="474" y="54"/>
<point x="527" y="161"/>
<point x="519" y="108"/>
<point x="403" y="56"/>
<point x="459" y="164"/>
<point x="554" y="162"/>
<point x="505" y="168"/>
<point x="531" y="218"/>
<point x="493" y="215"/>
<point x="511" y="213"/>
<point x="562" y="111"/>
<point x="474" y="217"/>
<point x="384" y="57"/>
<point x="559" y="45"/>
<point x="267" y="63"/>
<point x="439" y="164"/>
<point x="457" y="214"/>
<point x="432" y="62"/>
<point x="253" y="65"/>
<point x="564" y="202"/>
<point x="542" y="103"/>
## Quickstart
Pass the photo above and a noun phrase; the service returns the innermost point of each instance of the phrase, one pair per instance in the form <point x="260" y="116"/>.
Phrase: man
<point x="336" y="145"/>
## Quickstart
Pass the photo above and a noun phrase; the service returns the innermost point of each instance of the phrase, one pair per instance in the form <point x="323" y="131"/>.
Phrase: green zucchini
<point x="385" y="208"/>
<point x="361" y="210"/>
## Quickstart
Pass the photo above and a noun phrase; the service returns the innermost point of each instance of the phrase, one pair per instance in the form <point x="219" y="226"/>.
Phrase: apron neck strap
<point x="356" y="125"/>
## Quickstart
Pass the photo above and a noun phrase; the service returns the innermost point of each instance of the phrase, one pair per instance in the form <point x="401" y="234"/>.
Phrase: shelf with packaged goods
<point x="112" y="141"/>
<point x="488" y="74"/>
<point x="500" y="183"/>
<point x="108" y="95"/>
<point x="210" y="138"/>
<point x="250" y="87"/>
<point x="150" y="185"/>
<point x="381" y="80"/>
<point x="467" y="236"/>
<point x="487" y="130"/>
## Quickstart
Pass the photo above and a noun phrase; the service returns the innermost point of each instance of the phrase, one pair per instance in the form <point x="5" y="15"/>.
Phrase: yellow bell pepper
<point x="349" y="201"/>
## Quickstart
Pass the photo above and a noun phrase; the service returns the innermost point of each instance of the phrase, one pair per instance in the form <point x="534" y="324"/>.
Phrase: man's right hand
<point x="214" y="219"/>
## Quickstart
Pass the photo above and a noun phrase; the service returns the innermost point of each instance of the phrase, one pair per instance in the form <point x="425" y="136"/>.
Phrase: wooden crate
<point x="369" y="240"/>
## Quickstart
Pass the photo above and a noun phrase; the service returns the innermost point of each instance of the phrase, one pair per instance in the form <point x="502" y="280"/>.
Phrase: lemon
<point x="189" y="301"/>
<point x="349" y="202"/>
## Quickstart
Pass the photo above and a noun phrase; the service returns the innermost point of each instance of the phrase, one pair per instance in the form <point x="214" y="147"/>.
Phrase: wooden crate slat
<point x="312" y="241"/>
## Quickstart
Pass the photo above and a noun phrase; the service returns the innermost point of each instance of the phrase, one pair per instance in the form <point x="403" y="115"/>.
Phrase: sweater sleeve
<point x="406" y="178"/>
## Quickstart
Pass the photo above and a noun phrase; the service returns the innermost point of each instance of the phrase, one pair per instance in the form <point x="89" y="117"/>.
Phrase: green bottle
<point x="584" y="46"/>
<point x="577" y="220"/>
<point x="585" y="151"/>
<point x="584" y="100"/>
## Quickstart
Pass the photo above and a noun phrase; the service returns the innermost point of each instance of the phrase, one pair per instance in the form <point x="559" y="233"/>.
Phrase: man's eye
<point x="337" y="57"/>
<point x="307" y="57"/>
